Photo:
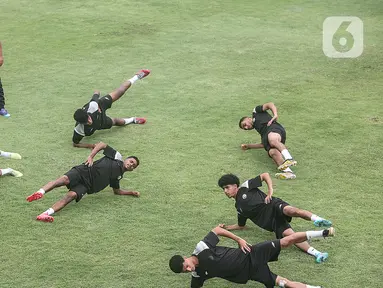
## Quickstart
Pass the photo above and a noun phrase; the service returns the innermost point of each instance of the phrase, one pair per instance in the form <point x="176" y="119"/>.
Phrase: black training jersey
<point x="250" y="204"/>
<point x="217" y="261"/>
<point x="260" y="120"/>
<point x="93" y="109"/>
<point x="106" y="171"/>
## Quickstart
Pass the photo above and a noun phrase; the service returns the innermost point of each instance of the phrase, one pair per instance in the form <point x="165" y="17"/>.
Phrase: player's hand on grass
<point x="89" y="161"/>
<point x="245" y="247"/>
<point x="244" y="147"/>
<point x="136" y="193"/>
<point x="222" y="226"/>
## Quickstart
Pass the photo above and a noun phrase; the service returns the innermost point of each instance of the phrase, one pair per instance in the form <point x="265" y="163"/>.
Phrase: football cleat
<point x="15" y="173"/>
<point x="4" y="112"/>
<point x="44" y="217"/>
<point x="285" y="176"/>
<point x="330" y="232"/>
<point x="138" y="120"/>
<point x="322" y="223"/>
<point x="15" y="156"/>
<point x="321" y="257"/>
<point x="286" y="164"/>
<point x="143" y="73"/>
<point x="35" y="196"/>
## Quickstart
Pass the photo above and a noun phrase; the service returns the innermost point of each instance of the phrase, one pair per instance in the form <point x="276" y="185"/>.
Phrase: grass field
<point x="212" y="62"/>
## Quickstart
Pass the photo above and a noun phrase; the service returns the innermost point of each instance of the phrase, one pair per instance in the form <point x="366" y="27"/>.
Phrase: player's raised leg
<point x="305" y="246"/>
<point x="299" y="237"/>
<point x="307" y="215"/>
<point x="116" y="94"/>
<point x="47" y="215"/>
<point x="63" y="180"/>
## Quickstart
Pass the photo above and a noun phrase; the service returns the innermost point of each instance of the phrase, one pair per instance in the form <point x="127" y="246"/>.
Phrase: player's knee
<point x="70" y="196"/>
<point x="64" y="180"/>
<point x="273" y="152"/>
<point x="289" y="210"/>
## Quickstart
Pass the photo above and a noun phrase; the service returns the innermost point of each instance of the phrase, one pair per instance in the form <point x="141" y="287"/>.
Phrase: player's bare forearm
<point x="266" y="177"/>
<point x="84" y="145"/>
<point x="252" y="146"/>
<point x="233" y="227"/>
<point x="97" y="148"/>
<point x="126" y="192"/>
<point x="270" y="106"/>
<point x="225" y="233"/>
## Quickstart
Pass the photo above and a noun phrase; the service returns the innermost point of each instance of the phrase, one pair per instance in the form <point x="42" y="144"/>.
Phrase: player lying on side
<point x="238" y="265"/>
<point x="270" y="213"/>
<point x="92" y="116"/>
<point x="89" y="178"/>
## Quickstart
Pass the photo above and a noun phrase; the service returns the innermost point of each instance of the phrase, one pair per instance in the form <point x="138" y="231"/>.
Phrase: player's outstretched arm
<point x="97" y="148"/>
<point x="126" y="192"/>
<point x="84" y="145"/>
<point x="251" y="146"/>
<point x="232" y="227"/>
<point x="245" y="247"/>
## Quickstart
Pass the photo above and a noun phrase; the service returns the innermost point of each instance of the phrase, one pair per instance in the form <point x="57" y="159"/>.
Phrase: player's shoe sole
<point x="287" y="164"/>
<point x="322" y="257"/>
<point x="143" y="73"/>
<point x="15" y="173"/>
<point x="139" y="120"/>
<point x="15" y="156"/>
<point x="330" y="232"/>
<point x="285" y="176"/>
<point x="34" y="196"/>
<point x="322" y="223"/>
<point x="44" y="218"/>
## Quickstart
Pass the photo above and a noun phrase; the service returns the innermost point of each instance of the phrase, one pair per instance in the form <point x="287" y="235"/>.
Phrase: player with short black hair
<point x="89" y="178"/>
<point x="92" y="116"/>
<point x="273" y="138"/>
<point x="238" y="265"/>
<point x="270" y="213"/>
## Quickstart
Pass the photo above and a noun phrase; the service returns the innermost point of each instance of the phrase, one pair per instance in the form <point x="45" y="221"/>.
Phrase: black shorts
<point x="281" y="221"/>
<point x="76" y="184"/>
<point x="105" y="103"/>
<point x="261" y="254"/>
<point x="276" y="128"/>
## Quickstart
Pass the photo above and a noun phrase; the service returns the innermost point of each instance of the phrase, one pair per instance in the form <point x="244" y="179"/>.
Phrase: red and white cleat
<point x="138" y="120"/>
<point x="143" y="73"/>
<point x="35" y="196"/>
<point x="44" y="217"/>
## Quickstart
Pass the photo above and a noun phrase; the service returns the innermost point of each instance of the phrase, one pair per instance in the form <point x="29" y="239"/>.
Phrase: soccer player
<point x="273" y="138"/>
<point x="3" y="111"/>
<point x="270" y="213"/>
<point x="92" y="116"/>
<point x="89" y="178"/>
<point x="238" y="265"/>
<point x="10" y="171"/>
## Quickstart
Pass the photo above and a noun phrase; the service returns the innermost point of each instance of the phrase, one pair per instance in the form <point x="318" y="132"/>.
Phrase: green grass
<point x="212" y="62"/>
